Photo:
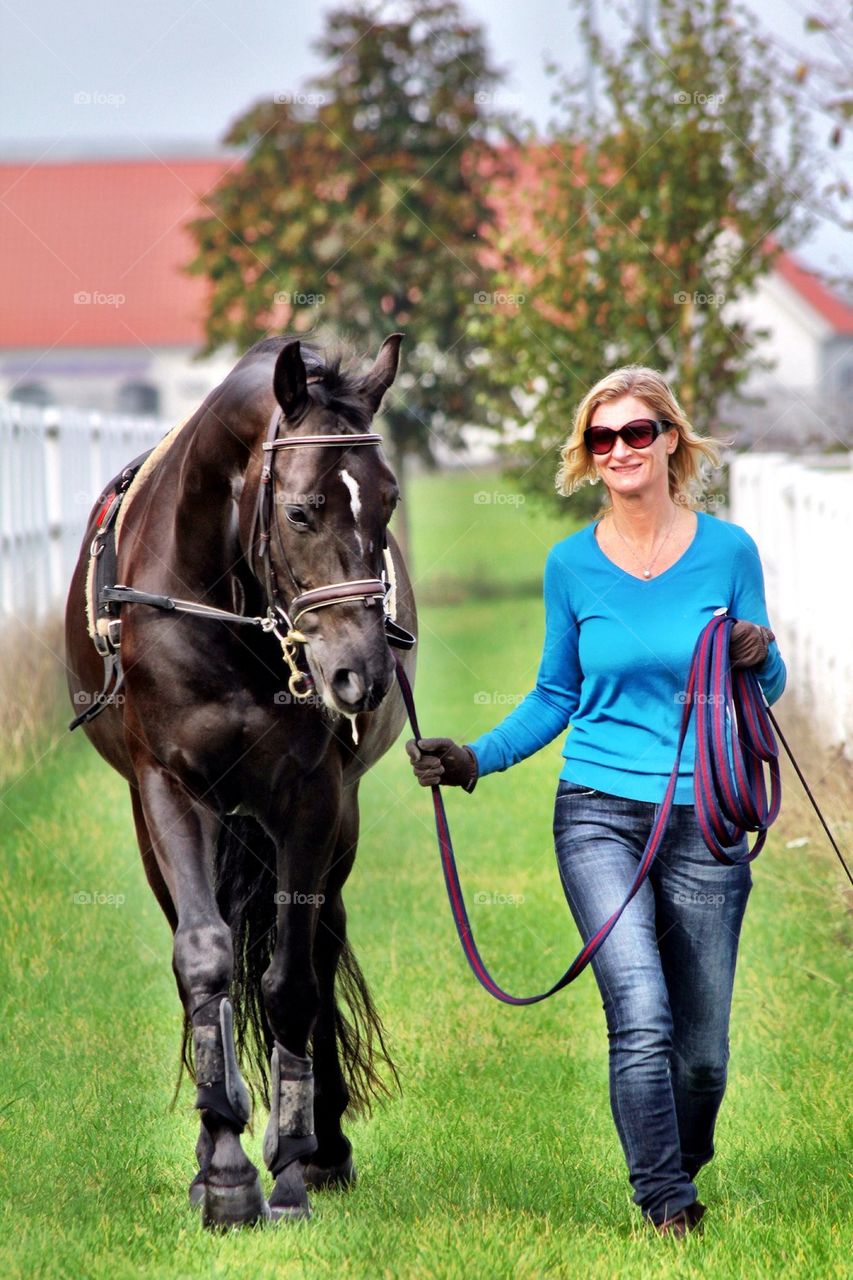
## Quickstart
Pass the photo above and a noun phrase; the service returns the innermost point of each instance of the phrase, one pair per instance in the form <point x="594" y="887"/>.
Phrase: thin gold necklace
<point x="647" y="569"/>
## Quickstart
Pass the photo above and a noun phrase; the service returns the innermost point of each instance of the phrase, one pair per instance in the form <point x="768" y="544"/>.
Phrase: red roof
<point x="112" y="231"/>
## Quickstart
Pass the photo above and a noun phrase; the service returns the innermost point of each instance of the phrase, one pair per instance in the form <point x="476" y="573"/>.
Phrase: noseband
<point x="282" y="621"/>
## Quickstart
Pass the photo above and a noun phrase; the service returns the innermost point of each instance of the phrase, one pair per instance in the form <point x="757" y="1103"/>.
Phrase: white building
<point x="807" y="391"/>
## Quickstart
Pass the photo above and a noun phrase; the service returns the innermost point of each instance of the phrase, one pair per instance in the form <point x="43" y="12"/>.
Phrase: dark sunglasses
<point x="637" y="435"/>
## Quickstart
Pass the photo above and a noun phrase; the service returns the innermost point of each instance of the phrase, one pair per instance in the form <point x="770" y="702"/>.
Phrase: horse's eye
<point x="296" y="516"/>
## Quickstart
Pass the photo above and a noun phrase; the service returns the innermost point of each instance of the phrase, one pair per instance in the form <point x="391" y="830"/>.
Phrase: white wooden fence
<point x="801" y="517"/>
<point x="55" y="462"/>
<point x="53" y="465"/>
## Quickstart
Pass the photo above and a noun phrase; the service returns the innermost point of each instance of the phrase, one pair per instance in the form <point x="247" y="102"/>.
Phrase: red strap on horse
<point x="729" y="788"/>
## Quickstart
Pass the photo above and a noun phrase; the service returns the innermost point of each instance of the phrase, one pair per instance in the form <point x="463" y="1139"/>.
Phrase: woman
<point x="625" y="601"/>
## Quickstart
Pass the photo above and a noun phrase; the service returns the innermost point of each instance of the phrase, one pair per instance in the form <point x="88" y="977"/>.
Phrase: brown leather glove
<point x="748" y="644"/>
<point x="441" y="760"/>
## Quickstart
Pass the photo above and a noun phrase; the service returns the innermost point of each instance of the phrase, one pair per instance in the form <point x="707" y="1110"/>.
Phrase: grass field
<point x="500" y="1159"/>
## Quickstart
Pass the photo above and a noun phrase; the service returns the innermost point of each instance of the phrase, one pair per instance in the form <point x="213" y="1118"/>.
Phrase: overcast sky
<point x="106" y="76"/>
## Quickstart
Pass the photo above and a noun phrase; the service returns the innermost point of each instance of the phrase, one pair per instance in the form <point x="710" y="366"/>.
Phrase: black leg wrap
<point x="212" y="1097"/>
<point x="220" y="1087"/>
<point x="290" y="1132"/>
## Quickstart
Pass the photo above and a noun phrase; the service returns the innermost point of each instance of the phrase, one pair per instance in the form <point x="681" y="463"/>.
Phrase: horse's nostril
<point x="378" y="690"/>
<point x="348" y="686"/>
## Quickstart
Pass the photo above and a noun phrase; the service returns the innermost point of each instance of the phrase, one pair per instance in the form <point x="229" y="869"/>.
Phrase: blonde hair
<point x="686" y="479"/>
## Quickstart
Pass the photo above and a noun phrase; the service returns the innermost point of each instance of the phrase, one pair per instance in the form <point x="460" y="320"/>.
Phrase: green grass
<point x="500" y="1159"/>
<point x="476" y="536"/>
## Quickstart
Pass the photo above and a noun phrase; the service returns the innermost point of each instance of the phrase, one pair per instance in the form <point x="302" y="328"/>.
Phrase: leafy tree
<point x="359" y="203"/>
<point x="643" y="220"/>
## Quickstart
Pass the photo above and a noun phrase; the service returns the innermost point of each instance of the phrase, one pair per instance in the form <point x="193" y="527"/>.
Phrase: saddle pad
<point x="98" y="626"/>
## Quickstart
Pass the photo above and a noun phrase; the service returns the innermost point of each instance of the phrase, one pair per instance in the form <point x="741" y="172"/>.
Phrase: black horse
<point x="244" y="745"/>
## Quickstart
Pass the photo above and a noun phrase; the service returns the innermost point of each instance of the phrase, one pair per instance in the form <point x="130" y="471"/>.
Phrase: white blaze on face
<point x="354" y="501"/>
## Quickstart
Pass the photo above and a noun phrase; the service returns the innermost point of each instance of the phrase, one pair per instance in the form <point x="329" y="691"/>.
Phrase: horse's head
<point x="329" y="513"/>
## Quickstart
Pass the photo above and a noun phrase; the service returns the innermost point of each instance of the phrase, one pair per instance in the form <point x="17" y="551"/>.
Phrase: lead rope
<point x="808" y="792"/>
<point x="729" y="788"/>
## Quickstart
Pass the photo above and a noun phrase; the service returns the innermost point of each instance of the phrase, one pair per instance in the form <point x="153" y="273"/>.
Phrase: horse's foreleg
<point x="292" y="996"/>
<point x="183" y="835"/>
<point x="149" y="861"/>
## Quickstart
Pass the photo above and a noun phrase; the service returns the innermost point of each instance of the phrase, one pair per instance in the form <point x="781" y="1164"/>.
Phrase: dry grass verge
<point x="34" y="706"/>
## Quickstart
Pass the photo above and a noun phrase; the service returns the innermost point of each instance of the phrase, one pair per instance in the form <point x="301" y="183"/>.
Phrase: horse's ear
<point x="289" y="380"/>
<point x="384" y="371"/>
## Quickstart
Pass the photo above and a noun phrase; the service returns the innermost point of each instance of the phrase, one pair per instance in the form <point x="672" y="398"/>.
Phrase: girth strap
<point x="113" y="671"/>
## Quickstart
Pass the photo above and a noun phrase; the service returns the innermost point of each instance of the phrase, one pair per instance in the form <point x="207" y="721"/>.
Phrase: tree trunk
<point x="685" y="388"/>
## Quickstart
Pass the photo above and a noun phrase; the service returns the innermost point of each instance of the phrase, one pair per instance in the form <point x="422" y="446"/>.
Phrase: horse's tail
<point x="246" y="883"/>
<point x="361" y="1036"/>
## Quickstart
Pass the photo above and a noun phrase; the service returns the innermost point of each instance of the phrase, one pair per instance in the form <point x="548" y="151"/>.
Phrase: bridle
<point x="280" y="620"/>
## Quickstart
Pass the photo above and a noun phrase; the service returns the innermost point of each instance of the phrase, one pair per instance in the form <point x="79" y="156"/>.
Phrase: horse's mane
<point x="339" y="388"/>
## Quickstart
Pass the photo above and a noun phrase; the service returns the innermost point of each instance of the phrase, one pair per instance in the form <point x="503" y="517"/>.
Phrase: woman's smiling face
<point x="625" y="470"/>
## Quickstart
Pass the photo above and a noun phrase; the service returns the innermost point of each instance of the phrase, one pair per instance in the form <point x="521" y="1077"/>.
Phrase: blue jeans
<point x="665" y="975"/>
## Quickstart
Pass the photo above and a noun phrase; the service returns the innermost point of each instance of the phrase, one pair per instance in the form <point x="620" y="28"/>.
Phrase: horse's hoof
<point x="224" y="1206"/>
<point x="196" y="1191"/>
<point x="337" y="1177"/>
<point x="290" y="1212"/>
<point x="289" y="1199"/>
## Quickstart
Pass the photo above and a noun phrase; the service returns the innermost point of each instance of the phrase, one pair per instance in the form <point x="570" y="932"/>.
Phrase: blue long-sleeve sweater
<point x="616" y="656"/>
